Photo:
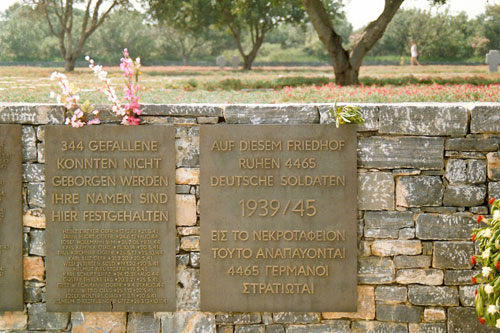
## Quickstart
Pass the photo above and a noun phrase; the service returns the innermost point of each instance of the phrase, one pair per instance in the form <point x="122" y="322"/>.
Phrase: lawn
<point x="267" y="85"/>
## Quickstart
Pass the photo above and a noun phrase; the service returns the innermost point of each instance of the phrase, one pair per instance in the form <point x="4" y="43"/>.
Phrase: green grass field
<point x="266" y="85"/>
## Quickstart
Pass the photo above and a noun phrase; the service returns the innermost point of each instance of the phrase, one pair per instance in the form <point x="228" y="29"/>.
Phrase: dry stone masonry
<point x="424" y="173"/>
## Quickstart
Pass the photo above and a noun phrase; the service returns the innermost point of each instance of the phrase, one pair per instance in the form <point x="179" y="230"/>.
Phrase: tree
<point x="255" y="19"/>
<point x="346" y="63"/>
<point x="59" y="15"/>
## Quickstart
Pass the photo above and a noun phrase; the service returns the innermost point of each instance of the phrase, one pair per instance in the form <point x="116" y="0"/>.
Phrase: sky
<point x="361" y="12"/>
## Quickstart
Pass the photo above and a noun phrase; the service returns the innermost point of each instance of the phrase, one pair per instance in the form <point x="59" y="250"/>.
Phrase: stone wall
<point x="425" y="172"/>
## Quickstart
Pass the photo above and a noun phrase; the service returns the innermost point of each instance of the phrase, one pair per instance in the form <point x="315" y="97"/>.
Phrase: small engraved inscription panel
<point x="110" y="197"/>
<point x="278" y="227"/>
<point x="11" y="219"/>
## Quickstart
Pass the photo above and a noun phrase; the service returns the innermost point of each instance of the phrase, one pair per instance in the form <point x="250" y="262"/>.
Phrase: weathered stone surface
<point x="188" y="288"/>
<point x="434" y="314"/>
<point x="188" y="321"/>
<point x="250" y="328"/>
<point x="366" y="306"/>
<point x="369" y="113"/>
<point x="378" y="327"/>
<point x="464" y="319"/>
<point x="34" y="218"/>
<point x="465" y="154"/>
<point x="207" y="120"/>
<point x="40" y="151"/>
<point x="401" y="152"/>
<point x="28" y="139"/>
<point x="423" y="261"/>
<point x="185" y="206"/>
<point x="407" y="233"/>
<point x="444" y="227"/>
<point x="381" y="233"/>
<point x="143" y="322"/>
<point x="33" y="172"/>
<point x="226" y="329"/>
<point x="476" y="171"/>
<point x="416" y="191"/>
<point x="423" y="120"/>
<point x="271" y="114"/>
<point x="275" y="328"/>
<point x="399" y="313"/>
<point x="433" y="295"/>
<point x="187" y="176"/>
<point x="40" y="319"/>
<point x="459" y="277"/>
<point x="34" y="292"/>
<point x="33" y="268"/>
<point x="36" y="194"/>
<point x="392" y="220"/>
<point x="375" y="270"/>
<point x="494" y="190"/>
<point x="493" y="165"/>
<point x="432" y="277"/>
<point x="375" y="191"/>
<point x="391" y="294"/>
<point x="193" y="110"/>
<point x="472" y="144"/>
<point x="427" y="328"/>
<point x="188" y="231"/>
<point x="29" y="113"/>
<point x="83" y="322"/>
<point x="454" y="255"/>
<point x="238" y="318"/>
<point x="464" y="195"/>
<point x="190" y="243"/>
<point x="456" y="171"/>
<point x="396" y="247"/>
<point x="37" y="242"/>
<point x="485" y="119"/>
<point x="188" y="151"/>
<point x="338" y="326"/>
<point x="194" y="259"/>
<point x="466" y="294"/>
<point x="13" y="321"/>
<point x="296" y="317"/>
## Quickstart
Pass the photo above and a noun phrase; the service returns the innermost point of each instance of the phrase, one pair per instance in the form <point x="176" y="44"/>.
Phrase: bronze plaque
<point x="278" y="218"/>
<point x="110" y="197"/>
<point x="11" y="219"/>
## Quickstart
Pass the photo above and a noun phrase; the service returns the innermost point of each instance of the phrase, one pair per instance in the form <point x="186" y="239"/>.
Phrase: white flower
<point x="486" y="271"/>
<point x="485" y="255"/>
<point x="87" y="58"/>
<point x="487" y="232"/>
<point x="488" y="289"/>
<point x="52" y="94"/>
<point x="496" y="215"/>
<point x="492" y="309"/>
<point x="498" y="323"/>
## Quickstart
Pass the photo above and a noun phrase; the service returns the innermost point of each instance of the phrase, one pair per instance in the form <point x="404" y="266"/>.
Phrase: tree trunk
<point x="69" y="64"/>
<point x="346" y="74"/>
<point x="247" y="63"/>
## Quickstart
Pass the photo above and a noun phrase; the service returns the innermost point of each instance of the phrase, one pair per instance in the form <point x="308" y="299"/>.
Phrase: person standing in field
<point x="414" y="54"/>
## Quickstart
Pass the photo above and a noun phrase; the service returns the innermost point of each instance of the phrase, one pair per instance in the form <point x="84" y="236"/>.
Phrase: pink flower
<point x="94" y="121"/>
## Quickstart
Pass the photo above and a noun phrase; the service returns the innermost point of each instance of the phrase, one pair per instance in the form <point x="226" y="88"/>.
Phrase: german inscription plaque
<point x="110" y="197"/>
<point x="11" y="220"/>
<point x="278" y="228"/>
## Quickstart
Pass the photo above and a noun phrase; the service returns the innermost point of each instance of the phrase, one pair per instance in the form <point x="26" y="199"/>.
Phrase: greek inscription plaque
<point x="278" y="228"/>
<point x="11" y="219"/>
<point x="110" y="198"/>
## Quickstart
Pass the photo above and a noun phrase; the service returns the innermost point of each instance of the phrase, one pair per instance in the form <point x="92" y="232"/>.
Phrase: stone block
<point x="296" y="317"/>
<point x="423" y="261"/>
<point x="188" y="321"/>
<point x="190" y="243"/>
<point x="182" y="110"/>
<point x="194" y="259"/>
<point x="13" y="321"/>
<point x="423" y="120"/>
<point x="433" y="295"/>
<point x="381" y="233"/>
<point x="34" y="218"/>
<point x="432" y="277"/>
<point x="31" y="113"/>
<point x="434" y="315"/>
<point x="464" y="195"/>
<point x="275" y="328"/>
<point x="375" y="270"/>
<point x="390" y="220"/>
<point x="185" y="206"/>
<point x="83" y="322"/>
<point x="456" y="171"/>
<point x="464" y="319"/>
<point x="375" y="191"/>
<point x="34" y="292"/>
<point x="378" y="327"/>
<point x="238" y="318"/>
<point x="40" y="151"/>
<point x="366" y="306"/>
<point x="391" y="294"/>
<point x="407" y="233"/>
<point x="417" y="191"/>
<point x="33" y="268"/>
<point x="453" y="255"/>
<point x="338" y="326"/>
<point x="33" y="172"/>
<point x="445" y="227"/>
<point x="187" y="176"/>
<point x="188" y="151"/>
<point x="39" y="319"/>
<point x="459" y="277"/>
<point x="396" y="247"/>
<point x="250" y="328"/>
<point x="472" y="144"/>
<point x="28" y="139"/>
<point x="225" y="329"/>
<point x="476" y="171"/>
<point x="271" y="114"/>
<point x="188" y="288"/>
<point x="485" y="119"/>
<point x="36" y="194"/>
<point x="493" y="160"/>
<point x="494" y="190"/>
<point x="427" y="328"/>
<point x="399" y="313"/>
<point x="401" y="152"/>
<point x="466" y="294"/>
<point x="207" y="120"/>
<point x="138" y="322"/>
<point x="37" y="242"/>
<point x="369" y="113"/>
